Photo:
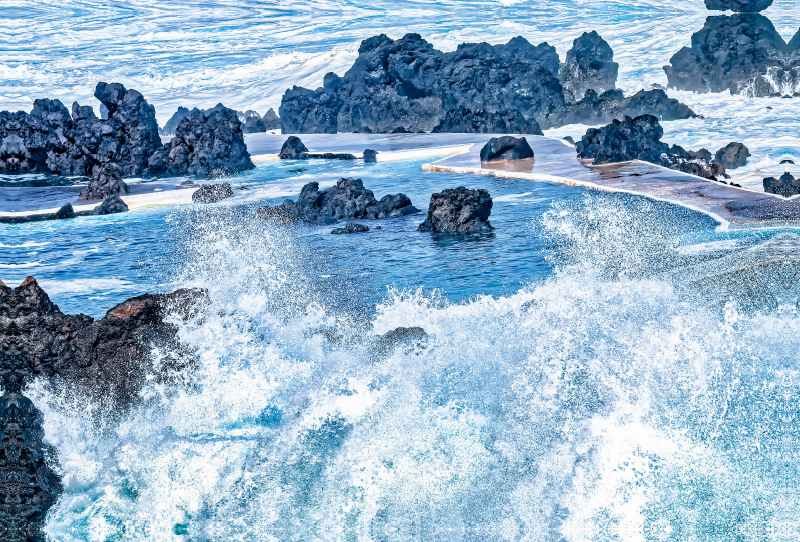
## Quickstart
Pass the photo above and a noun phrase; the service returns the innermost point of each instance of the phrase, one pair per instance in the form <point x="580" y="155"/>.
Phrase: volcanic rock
<point x="206" y="144"/>
<point x="106" y="181"/>
<point x="391" y="206"/>
<point x="370" y="155"/>
<point x="589" y="65"/>
<point x="111" y="205"/>
<point x="351" y="227"/>
<point x="739" y="6"/>
<point x="785" y="186"/>
<point x="287" y="212"/>
<point x="255" y="123"/>
<point x="66" y="211"/>
<point x="293" y="149"/>
<point x="465" y="121"/>
<point x="459" y="210"/>
<point x="506" y="148"/>
<point x="212" y="193"/>
<point x="733" y="155"/>
<point x="175" y="119"/>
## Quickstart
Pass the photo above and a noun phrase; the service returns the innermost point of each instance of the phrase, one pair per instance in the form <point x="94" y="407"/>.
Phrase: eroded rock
<point x="589" y="65"/>
<point x="506" y="148"/>
<point x="786" y="185"/>
<point x="459" y="210"/>
<point x="106" y="181"/>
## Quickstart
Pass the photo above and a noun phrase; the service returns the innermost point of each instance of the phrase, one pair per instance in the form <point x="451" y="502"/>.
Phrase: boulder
<point x="292" y="148"/>
<point x="739" y="6"/>
<point x="589" y="65"/>
<point x="785" y="186"/>
<point x="459" y="210"/>
<point x="212" y="193"/>
<point x="66" y="211"/>
<point x="111" y="205"/>
<point x="370" y="155"/>
<point x="733" y="155"/>
<point x="506" y="148"/>
<point x="106" y="181"/>
<point x="391" y="206"/>
<point x="351" y="227"/>
<point x="702" y="154"/>
<point x="206" y="144"/>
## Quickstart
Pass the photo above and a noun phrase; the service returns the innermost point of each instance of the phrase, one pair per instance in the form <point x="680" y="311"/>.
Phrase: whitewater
<point x="601" y="367"/>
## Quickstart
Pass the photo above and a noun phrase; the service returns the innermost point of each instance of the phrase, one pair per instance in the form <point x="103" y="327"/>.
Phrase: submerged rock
<point x="786" y="186"/>
<point x="351" y="227"/>
<point x="106" y="181"/>
<point x="206" y="144"/>
<point x="407" y="337"/>
<point x="589" y="65"/>
<point x="733" y="155"/>
<point x="459" y="210"/>
<point x="506" y="148"/>
<point x="212" y="193"/>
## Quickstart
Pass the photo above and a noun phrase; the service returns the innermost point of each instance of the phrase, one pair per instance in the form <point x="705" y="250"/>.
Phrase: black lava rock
<point x="506" y="148"/>
<point x="370" y="155"/>
<point x="351" y="227"/>
<point x="212" y="193"/>
<point x="391" y="206"/>
<point x="733" y="155"/>
<point x="66" y="211"/>
<point x="106" y="181"/>
<point x="785" y="186"/>
<point x="287" y="212"/>
<point x="255" y="123"/>
<point x="206" y="144"/>
<point x="589" y="65"/>
<point x="739" y="6"/>
<point x="173" y="122"/>
<point x="465" y="121"/>
<point x="111" y="205"/>
<point x="291" y="148"/>
<point x="459" y="210"/>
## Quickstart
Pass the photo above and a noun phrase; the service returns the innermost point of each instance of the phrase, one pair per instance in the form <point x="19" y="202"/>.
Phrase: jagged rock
<point x="175" y="119"/>
<point x="743" y="53"/>
<point x="785" y="186"/>
<point x="351" y="227"/>
<point x="291" y="148"/>
<point x="506" y="148"/>
<point x="702" y="154"/>
<point x="106" y="359"/>
<point x="106" y="181"/>
<point x="465" y="121"/>
<point x="407" y="86"/>
<point x="212" y="193"/>
<point x="613" y="105"/>
<point x="111" y="205"/>
<point x="733" y="155"/>
<point x="640" y="139"/>
<point x="459" y="210"/>
<point x="370" y="155"/>
<point x="206" y="144"/>
<point x="255" y="123"/>
<point x="589" y="65"/>
<point x="348" y="199"/>
<point x="391" y="206"/>
<point x="739" y="6"/>
<point x="271" y="120"/>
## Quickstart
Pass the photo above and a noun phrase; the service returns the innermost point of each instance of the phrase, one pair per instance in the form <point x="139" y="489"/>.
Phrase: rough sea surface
<point x="601" y="367"/>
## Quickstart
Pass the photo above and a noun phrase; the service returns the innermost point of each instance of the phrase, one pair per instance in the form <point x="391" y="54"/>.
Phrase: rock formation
<point x="506" y="148"/>
<point x="370" y="155"/>
<point x="785" y="186"/>
<point x="589" y="65"/>
<point x="212" y="193"/>
<point x="110" y="205"/>
<point x="459" y="210"/>
<point x="743" y="53"/>
<point x="172" y="124"/>
<point x="255" y="123"/>
<point x="294" y="149"/>
<point x="640" y="139"/>
<point x="732" y="156"/>
<point x="350" y="227"/>
<point x="106" y="181"/>
<point x="739" y="6"/>
<point x="407" y="86"/>
<point x="206" y="144"/>
<point x="348" y="199"/>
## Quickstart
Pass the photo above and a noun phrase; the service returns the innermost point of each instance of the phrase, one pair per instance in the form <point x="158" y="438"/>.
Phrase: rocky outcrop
<point x="465" y="121"/>
<point x="206" y="144"/>
<point x="172" y="124"/>
<point x="347" y="199"/>
<point x="785" y="186"/>
<point x="106" y="181"/>
<point x="459" y="210"/>
<point x="351" y="227"/>
<point x="739" y="6"/>
<point x="294" y="149"/>
<point x="732" y="156"/>
<point x="742" y="53"/>
<point x="255" y="123"/>
<point x="506" y="148"/>
<point x="407" y="86"/>
<point x="212" y="193"/>
<point x="589" y="65"/>
<point x="110" y="205"/>
<point x="640" y="139"/>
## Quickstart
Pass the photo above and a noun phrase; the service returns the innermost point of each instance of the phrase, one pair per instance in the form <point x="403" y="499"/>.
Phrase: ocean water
<point x="601" y="367"/>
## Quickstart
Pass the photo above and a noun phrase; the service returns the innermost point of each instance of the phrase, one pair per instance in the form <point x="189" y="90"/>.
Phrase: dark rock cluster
<point x="506" y="148"/>
<point x="407" y="86"/>
<point x="255" y="123"/>
<point x="739" y="6"/>
<point x="348" y="199"/>
<point x="786" y="185"/>
<point x="742" y="53"/>
<point x="351" y="227"/>
<point x="459" y="210"/>
<point x="212" y="193"/>
<point x="640" y="139"/>
<point x="106" y="181"/>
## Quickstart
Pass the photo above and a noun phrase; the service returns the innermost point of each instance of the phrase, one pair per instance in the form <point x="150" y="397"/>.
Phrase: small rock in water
<point x="66" y="211"/>
<point x="391" y="206"/>
<point x="569" y="140"/>
<point x="212" y="193"/>
<point x="370" y="155"/>
<point x="111" y="205"/>
<point x="733" y="155"/>
<point x="785" y="186"/>
<point x="459" y="210"/>
<point x="401" y="336"/>
<point x="506" y="148"/>
<point x="106" y="181"/>
<point x="351" y="228"/>
<point x="702" y="154"/>
<point x="292" y="147"/>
